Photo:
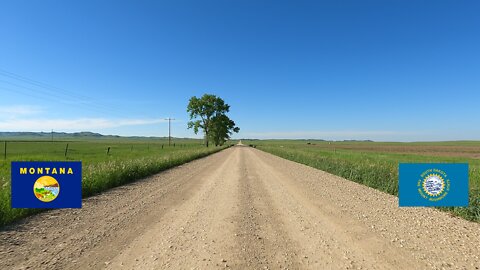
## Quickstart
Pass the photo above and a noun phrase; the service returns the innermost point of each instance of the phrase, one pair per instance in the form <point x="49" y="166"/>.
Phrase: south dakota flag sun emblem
<point x="46" y="184"/>
<point x="433" y="184"/>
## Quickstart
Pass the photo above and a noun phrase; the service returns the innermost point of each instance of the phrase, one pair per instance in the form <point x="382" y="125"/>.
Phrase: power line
<point x="54" y="99"/>
<point x="52" y="91"/>
<point x="58" y="92"/>
<point x="41" y="84"/>
<point x="40" y="90"/>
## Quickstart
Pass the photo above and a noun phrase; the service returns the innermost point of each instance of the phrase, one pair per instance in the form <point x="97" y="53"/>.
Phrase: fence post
<point x="5" y="151"/>
<point x="108" y="150"/>
<point x="66" y="150"/>
<point x="162" y="146"/>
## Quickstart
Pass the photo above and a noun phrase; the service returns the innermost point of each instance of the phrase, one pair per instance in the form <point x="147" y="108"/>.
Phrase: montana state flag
<point x="46" y="184"/>
<point x="433" y="184"/>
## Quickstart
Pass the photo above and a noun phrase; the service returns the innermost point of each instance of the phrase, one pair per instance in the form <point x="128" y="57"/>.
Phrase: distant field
<point x="126" y="161"/>
<point x="468" y="149"/>
<point x="376" y="164"/>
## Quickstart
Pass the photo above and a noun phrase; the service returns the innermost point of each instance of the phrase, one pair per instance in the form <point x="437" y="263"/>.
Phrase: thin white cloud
<point x="72" y="124"/>
<point x="12" y="111"/>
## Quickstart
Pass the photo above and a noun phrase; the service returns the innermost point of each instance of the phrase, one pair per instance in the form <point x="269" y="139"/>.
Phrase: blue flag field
<point x="46" y="184"/>
<point x="433" y="184"/>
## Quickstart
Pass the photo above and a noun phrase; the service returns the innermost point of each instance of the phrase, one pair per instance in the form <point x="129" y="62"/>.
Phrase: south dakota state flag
<point x="433" y="184"/>
<point x="46" y="184"/>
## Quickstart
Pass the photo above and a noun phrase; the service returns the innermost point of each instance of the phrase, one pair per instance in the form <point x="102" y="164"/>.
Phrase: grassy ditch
<point x="100" y="174"/>
<point x="378" y="170"/>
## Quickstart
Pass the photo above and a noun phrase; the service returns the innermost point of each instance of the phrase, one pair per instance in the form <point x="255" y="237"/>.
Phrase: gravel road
<point x="242" y="209"/>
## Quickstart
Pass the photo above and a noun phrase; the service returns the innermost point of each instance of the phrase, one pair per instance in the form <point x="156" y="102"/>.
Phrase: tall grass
<point x="99" y="176"/>
<point x="376" y="170"/>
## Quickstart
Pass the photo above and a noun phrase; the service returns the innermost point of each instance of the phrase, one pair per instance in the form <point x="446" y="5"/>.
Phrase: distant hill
<point x="40" y="135"/>
<point x="66" y="136"/>
<point x="357" y="141"/>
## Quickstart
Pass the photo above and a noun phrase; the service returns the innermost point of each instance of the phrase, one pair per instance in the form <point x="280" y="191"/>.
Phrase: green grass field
<point x="376" y="164"/>
<point x="127" y="160"/>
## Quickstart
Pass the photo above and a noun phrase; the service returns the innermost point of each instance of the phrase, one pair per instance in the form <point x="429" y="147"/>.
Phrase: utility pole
<point x="169" y="130"/>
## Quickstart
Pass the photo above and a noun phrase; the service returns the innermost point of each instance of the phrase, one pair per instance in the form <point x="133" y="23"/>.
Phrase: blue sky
<point x="381" y="70"/>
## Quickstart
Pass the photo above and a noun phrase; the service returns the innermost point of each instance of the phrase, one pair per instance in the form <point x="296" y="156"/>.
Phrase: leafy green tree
<point x="221" y="129"/>
<point x="209" y="114"/>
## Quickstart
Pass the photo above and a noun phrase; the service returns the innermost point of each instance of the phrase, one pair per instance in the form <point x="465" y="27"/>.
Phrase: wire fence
<point x="45" y="150"/>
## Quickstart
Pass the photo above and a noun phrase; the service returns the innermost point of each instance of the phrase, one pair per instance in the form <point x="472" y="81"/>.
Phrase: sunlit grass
<point x="378" y="170"/>
<point x="126" y="162"/>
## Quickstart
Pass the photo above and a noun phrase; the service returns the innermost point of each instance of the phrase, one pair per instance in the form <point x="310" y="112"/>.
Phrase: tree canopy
<point x="209" y="113"/>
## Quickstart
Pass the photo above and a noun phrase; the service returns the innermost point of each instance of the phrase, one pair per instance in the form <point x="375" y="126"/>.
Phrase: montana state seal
<point x="433" y="185"/>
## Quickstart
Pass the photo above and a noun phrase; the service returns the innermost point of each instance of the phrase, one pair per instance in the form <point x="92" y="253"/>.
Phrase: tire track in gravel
<point x="88" y="238"/>
<point x="323" y="242"/>
<point x="196" y="231"/>
<point x="372" y="221"/>
<point x="262" y="237"/>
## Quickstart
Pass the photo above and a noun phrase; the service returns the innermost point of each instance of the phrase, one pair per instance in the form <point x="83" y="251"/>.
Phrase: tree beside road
<point x="209" y="113"/>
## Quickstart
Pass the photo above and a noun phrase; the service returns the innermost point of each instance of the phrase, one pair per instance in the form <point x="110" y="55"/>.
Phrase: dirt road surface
<point x="241" y="209"/>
